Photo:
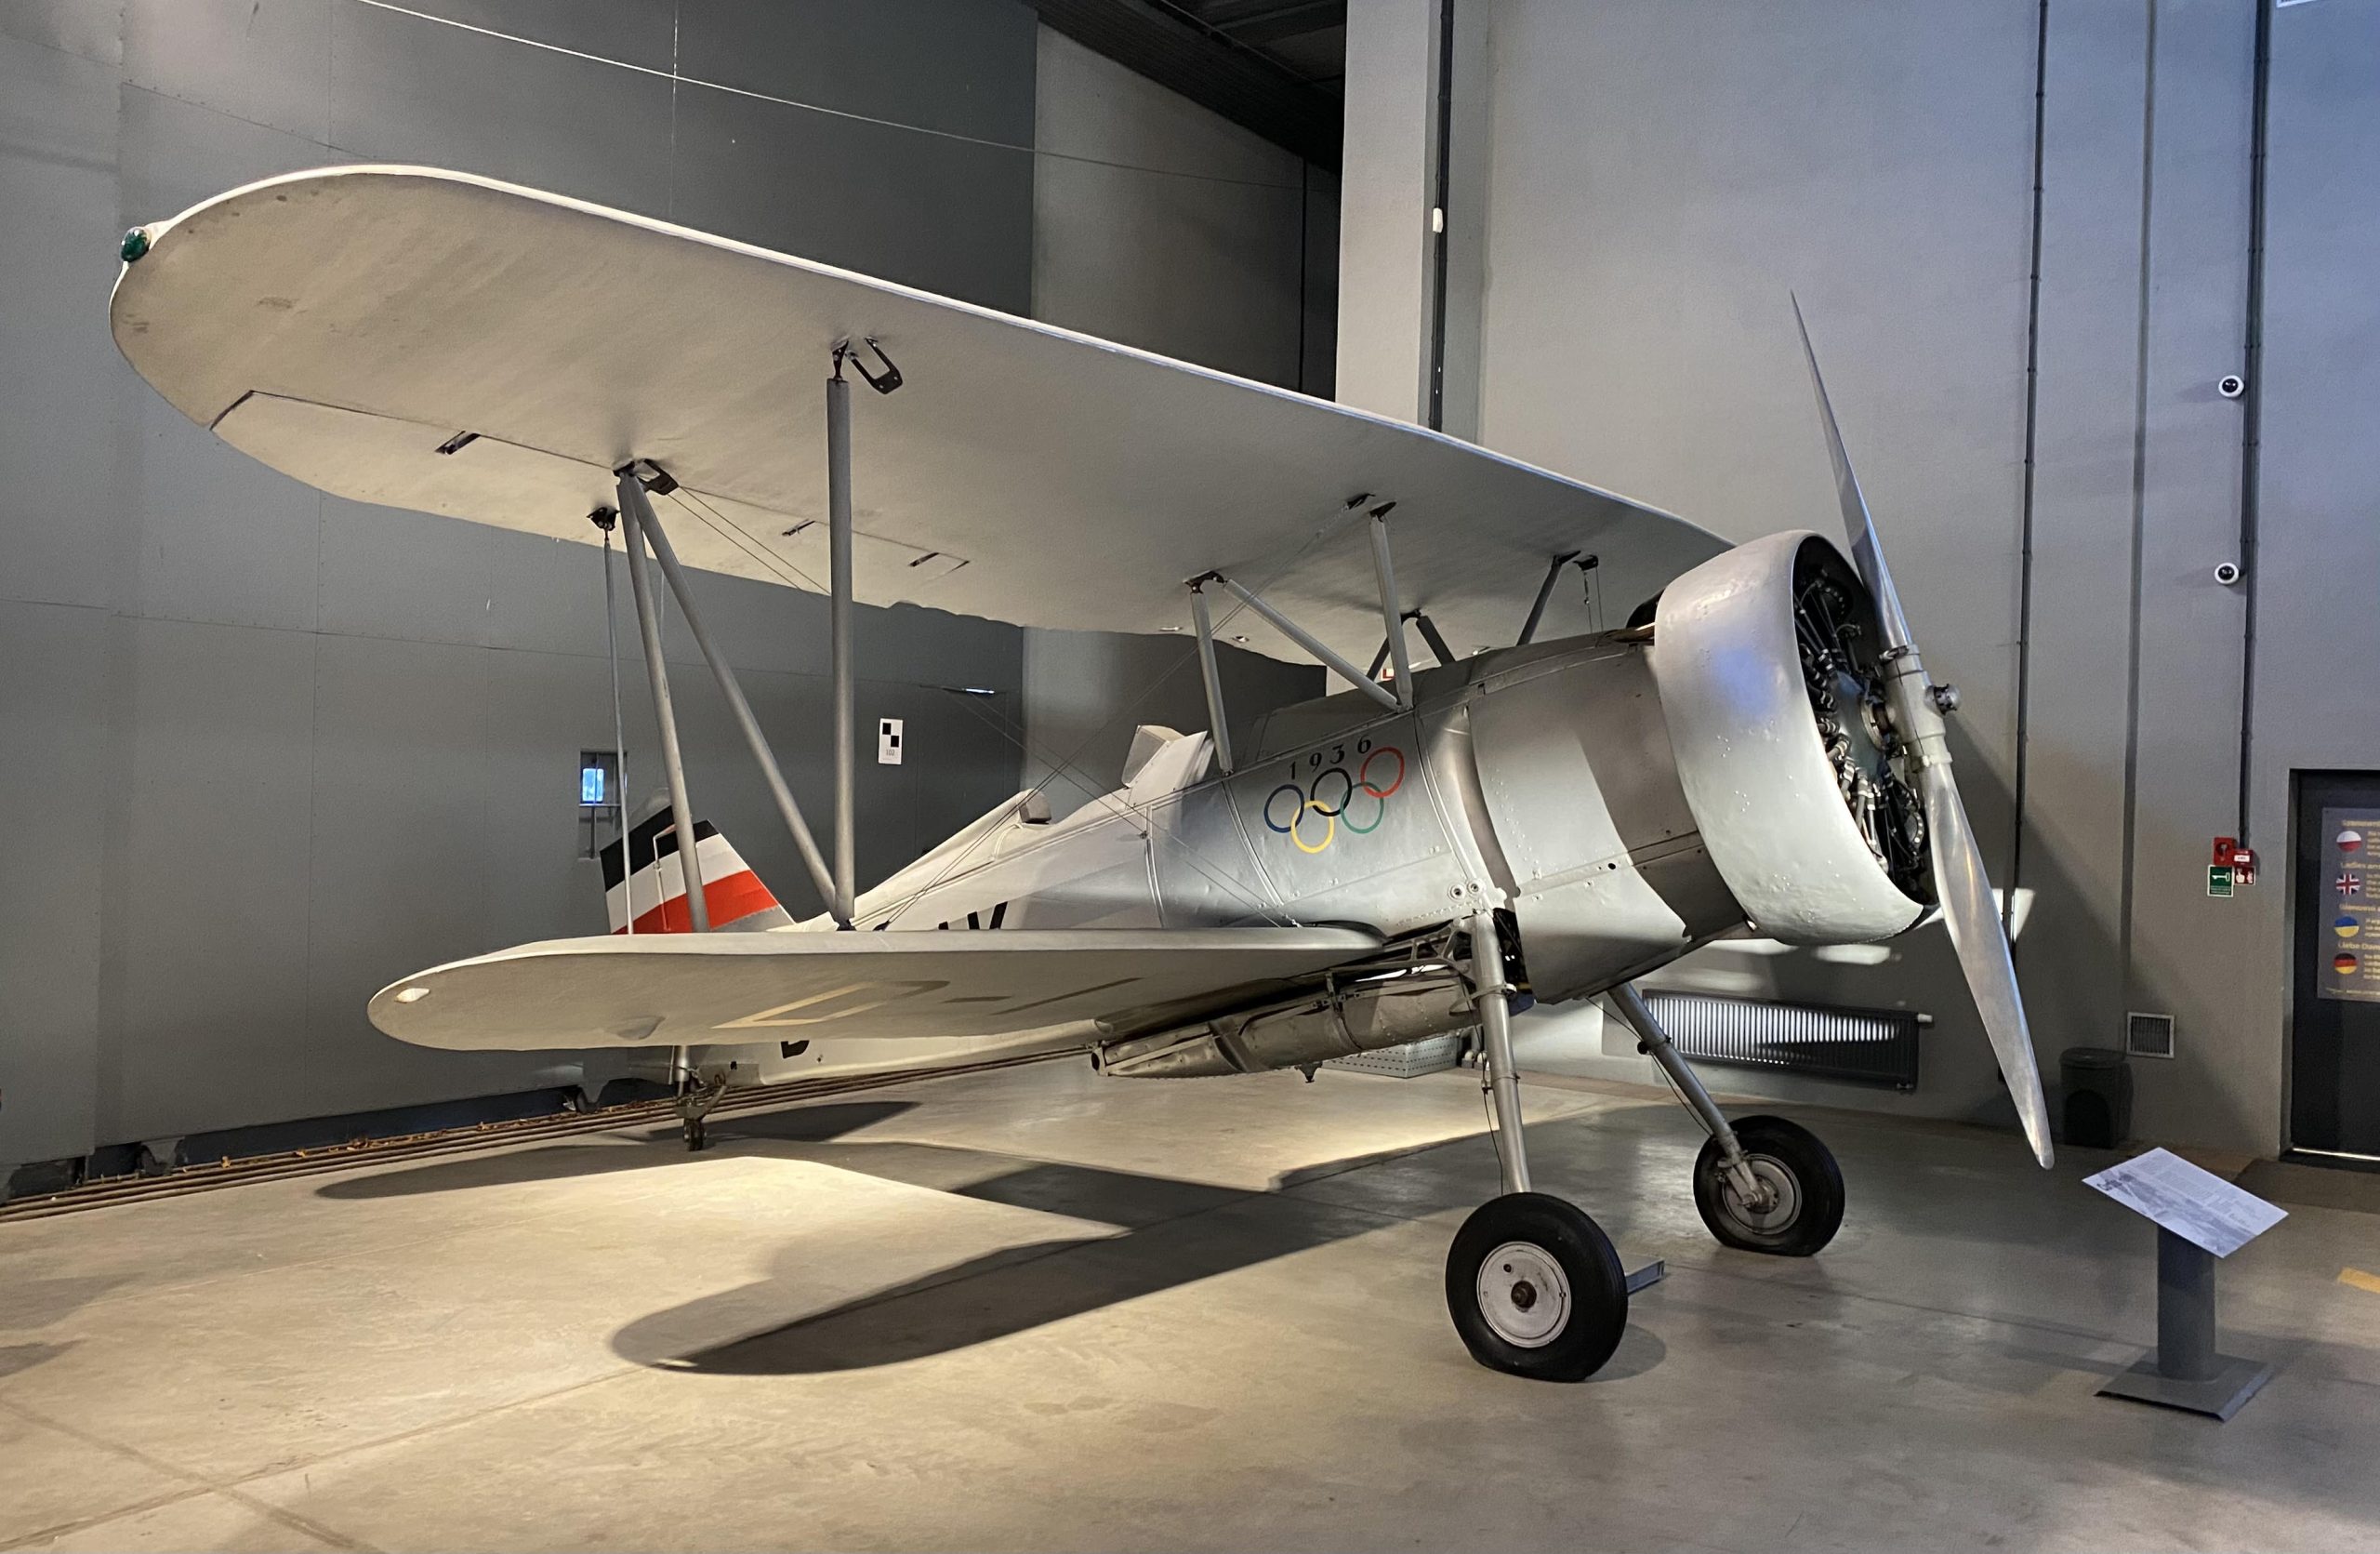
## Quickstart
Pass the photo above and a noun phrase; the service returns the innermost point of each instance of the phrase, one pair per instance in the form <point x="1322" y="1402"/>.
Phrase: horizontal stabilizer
<point x="713" y="989"/>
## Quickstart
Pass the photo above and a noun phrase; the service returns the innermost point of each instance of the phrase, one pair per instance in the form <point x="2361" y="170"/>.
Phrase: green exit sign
<point x="2218" y="879"/>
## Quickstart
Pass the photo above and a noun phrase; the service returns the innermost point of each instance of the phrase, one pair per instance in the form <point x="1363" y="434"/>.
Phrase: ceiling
<point x="1275" y="66"/>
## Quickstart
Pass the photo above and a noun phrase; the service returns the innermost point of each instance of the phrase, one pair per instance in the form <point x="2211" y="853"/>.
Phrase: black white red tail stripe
<point x="643" y="874"/>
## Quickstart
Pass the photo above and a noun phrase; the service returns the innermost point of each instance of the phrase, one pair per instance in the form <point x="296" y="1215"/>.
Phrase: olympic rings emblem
<point x="1338" y="806"/>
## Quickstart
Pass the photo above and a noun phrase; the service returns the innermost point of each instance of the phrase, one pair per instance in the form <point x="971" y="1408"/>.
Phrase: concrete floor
<point x="1034" y="1310"/>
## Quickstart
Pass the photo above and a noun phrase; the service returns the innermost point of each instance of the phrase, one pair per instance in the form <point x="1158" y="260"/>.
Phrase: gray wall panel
<point x="946" y="65"/>
<point x="213" y="535"/>
<point x="57" y="133"/>
<point x="56" y="785"/>
<point x="403" y="89"/>
<point x="299" y="746"/>
<point x="2318" y="700"/>
<point x="448" y="592"/>
<point x="267" y="61"/>
<point x="942" y="215"/>
<point x="1203" y="268"/>
<point x="2081" y="627"/>
<point x="91" y="28"/>
<point x="204" y="989"/>
<point x="636" y="31"/>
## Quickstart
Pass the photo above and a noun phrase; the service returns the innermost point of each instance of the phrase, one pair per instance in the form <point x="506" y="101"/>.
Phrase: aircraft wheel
<point x="1806" y="1205"/>
<point x="1536" y="1289"/>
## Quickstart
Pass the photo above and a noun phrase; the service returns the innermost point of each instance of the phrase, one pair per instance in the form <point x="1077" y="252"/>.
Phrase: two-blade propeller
<point x="1959" y="879"/>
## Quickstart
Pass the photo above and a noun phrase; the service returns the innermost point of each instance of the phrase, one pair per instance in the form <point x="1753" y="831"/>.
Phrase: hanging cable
<point x="619" y="739"/>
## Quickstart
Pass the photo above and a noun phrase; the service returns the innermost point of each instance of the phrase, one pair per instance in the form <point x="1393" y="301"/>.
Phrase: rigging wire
<point x="676" y="79"/>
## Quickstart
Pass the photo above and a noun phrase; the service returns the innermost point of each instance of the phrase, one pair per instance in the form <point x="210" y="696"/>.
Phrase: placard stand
<point x="2185" y="1370"/>
<point x="2199" y="1218"/>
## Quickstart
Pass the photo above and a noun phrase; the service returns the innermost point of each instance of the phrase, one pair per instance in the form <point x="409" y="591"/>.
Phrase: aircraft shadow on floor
<point x="1169" y="1233"/>
<point x="643" y="1148"/>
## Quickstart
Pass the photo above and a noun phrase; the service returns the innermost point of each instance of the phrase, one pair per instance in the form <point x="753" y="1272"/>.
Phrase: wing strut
<point x="1391" y="616"/>
<point x="636" y="515"/>
<point x="643" y="526"/>
<point x="1209" y="673"/>
<point x="845" y="893"/>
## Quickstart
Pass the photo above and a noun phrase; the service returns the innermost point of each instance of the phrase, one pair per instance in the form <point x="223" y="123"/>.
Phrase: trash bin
<point x="2096" y="1110"/>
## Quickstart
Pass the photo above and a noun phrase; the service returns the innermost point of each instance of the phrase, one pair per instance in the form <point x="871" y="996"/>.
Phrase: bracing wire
<point x="676" y="79"/>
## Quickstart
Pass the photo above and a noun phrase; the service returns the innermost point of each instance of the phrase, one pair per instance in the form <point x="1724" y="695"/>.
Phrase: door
<point x="2334" y="1026"/>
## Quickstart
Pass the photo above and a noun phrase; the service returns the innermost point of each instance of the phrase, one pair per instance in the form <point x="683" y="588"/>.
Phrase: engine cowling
<point x="1766" y="659"/>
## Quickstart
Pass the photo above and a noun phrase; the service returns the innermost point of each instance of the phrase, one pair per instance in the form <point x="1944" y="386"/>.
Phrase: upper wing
<point x="347" y="325"/>
<point x="664" y="989"/>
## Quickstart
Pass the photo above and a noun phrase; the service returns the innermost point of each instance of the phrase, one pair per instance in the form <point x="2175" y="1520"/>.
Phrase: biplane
<point x="1545" y="815"/>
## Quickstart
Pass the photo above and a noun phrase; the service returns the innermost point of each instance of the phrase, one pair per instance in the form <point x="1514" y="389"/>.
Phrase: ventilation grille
<point x="2148" y="1035"/>
<point x="1857" y="1046"/>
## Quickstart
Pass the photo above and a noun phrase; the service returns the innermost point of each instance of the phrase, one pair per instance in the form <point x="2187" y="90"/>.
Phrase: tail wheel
<point x="1535" y="1288"/>
<point x="1803" y="1207"/>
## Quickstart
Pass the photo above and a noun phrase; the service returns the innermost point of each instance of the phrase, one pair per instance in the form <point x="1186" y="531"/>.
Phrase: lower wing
<point x="711" y="989"/>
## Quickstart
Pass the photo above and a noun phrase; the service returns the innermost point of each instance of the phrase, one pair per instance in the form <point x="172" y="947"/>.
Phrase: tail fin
<point x="645" y="879"/>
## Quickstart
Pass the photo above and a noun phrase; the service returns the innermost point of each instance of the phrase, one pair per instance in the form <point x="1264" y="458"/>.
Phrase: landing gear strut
<point x="1760" y="1184"/>
<point x="695" y="1098"/>
<point x="1532" y="1282"/>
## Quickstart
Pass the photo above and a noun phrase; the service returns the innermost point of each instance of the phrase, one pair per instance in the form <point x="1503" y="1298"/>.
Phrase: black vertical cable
<point x="2251" y="403"/>
<point x="1305" y="186"/>
<point x="2025" y="533"/>
<point x="1438" y="420"/>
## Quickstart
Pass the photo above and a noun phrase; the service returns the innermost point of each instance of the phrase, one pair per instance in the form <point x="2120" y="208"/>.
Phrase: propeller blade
<point x="1974" y="921"/>
<point x="1959" y="883"/>
<point x="1866" y="553"/>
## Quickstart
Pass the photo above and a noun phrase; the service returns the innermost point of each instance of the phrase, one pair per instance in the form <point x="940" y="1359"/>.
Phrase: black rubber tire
<point x="1598" y="1307"/>
<point x="1793" y="1149"/>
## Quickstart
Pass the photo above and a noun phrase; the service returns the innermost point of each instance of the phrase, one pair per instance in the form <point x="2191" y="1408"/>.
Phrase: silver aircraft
<point x="1758" y="747"/>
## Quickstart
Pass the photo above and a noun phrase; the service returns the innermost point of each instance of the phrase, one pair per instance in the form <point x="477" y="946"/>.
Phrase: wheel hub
<point x="1783" y="1196"/>
<point x="1524" y="1294"/>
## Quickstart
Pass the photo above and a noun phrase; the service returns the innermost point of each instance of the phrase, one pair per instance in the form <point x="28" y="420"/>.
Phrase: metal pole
<point x="632" y="499"/>
<point x="619" y="727"/>
<point x="1429" y="630"/>
<point x="2185" y="1309"/>
<point x="1496" y="1034"/>
<point x="1312" y="643"/>
<point x="1656" y="1041"/>
<point x="1207" y="667"/>
<point x="1544" y="592"/>
<point x="1391" y="614"/>
<point x="648" y="624"/>
<point x="839" y="618"/>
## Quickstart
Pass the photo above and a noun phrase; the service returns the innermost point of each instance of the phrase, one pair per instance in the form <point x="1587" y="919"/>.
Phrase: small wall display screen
<point x="590" y="786"/>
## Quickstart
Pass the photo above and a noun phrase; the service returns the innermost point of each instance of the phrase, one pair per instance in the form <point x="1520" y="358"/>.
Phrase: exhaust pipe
<point x="1340" y="1023"/>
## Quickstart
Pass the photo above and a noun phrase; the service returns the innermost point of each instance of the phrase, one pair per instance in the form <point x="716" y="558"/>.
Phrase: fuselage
<point x="1536" y="779"/>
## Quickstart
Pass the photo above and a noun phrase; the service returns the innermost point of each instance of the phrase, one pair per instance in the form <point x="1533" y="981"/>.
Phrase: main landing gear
<point x="1533" y="1284"/>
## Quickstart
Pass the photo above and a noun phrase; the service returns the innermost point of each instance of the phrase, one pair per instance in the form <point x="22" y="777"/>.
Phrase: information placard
<point x="2194" y="1204"/>
<point x="2350" y="949"/>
